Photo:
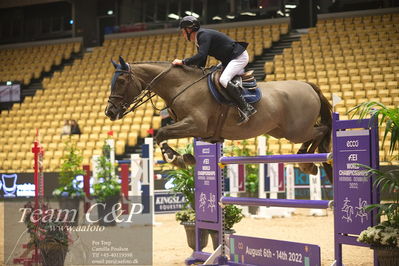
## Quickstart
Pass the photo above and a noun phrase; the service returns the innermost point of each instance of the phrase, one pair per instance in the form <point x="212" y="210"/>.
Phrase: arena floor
<point x="170" y="246"/>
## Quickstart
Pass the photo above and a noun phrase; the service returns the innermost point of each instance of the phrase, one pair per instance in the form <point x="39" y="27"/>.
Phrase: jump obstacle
<point x="354" y="142"/>
<point x="139" y="184"/>
<point x="275" y="180"/>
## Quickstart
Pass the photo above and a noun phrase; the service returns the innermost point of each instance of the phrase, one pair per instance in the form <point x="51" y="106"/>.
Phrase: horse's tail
<point x="325" y="120"/>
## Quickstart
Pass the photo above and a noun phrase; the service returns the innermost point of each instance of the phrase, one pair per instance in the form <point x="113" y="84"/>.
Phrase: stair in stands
<point x="268" y="54"/>
<point x="36" y="84"/>
<point x="30" y="90"/>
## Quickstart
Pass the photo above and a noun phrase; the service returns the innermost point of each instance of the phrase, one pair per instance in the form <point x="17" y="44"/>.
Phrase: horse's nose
<point x="109" y="113"/>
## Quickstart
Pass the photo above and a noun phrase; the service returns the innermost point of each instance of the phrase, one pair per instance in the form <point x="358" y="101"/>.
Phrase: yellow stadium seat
<point x="344" y="79"/>
<point x="96" y="129"/>
<point x="299" y="76"/>
<point x="132" y="138"/>
<point x="360" y="94"/>
<point x="90" y="145"/>
<point x="386" y="100"/>
<point x="346" y="87"/>
<point x="120" y="147"/>
<point x="389" y="77"/>
<point x="392" y="85"/>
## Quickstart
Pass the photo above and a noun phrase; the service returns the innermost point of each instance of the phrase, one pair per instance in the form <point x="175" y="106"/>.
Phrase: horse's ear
<point x="115" y="64"/>
<point x="123" y="63"/>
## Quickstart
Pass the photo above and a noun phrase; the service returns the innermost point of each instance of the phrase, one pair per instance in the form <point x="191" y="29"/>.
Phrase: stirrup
<point x="243" y="117"/>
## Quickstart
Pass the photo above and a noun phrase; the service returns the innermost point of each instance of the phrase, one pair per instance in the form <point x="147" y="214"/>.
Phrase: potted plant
<point x="70" y="190"/>
<point x="48" y="230"/>
<point x="389" y="117"/>
<point x="107" y="188"/>
<point x="232" y="215"/>
<point x="186" y="217"/>
<point x="183" y="181"/>
<point x="384" y="237"/>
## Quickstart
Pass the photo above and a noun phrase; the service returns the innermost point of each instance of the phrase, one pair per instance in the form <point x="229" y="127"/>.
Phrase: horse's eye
<point x="121" y="82"/>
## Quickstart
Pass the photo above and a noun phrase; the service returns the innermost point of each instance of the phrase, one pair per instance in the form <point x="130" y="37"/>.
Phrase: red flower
<point x="150" y="131"/>
<point x="110" y="133"/>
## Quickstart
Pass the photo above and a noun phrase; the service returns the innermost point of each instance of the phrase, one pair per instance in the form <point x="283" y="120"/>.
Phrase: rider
<point x="232" y="54"/>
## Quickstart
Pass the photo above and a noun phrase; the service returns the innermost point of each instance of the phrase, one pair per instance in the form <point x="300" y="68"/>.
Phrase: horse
<point x="295" y="110"/>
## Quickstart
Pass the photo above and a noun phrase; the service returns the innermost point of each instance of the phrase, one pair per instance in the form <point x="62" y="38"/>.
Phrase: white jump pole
<point x="136" y="173"/>
<point x="262" y="147"/>
<point x="111" y="143"/>
<point x="273" y="173"/>
<point x="314" y="187"/>
<point x="315" y="193"/>
<point x="150" y="177"/>
<point x="234" y="185"/>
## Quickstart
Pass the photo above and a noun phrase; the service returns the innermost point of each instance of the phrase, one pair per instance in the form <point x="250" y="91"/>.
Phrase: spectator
<point x="66" y="129"/>
<point x="75" y="127"/>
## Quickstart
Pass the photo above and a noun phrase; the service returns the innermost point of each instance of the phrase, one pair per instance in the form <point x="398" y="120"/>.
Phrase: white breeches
<point x="235" y="67"/>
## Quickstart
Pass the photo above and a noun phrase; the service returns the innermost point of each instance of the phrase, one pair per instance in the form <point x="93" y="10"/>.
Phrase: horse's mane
<point x="150" y="62"/>
<point x="187" y="68"/>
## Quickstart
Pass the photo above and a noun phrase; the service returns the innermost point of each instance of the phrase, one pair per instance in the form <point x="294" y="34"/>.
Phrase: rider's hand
<point x="177" y="62"/>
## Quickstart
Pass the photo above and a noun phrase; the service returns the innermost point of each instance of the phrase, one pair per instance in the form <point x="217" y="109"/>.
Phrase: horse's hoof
<point x="314" y="170"/>
<point x="169" y="159"/>
<point x="189" y="159"/>
<point x="308" y="168"/>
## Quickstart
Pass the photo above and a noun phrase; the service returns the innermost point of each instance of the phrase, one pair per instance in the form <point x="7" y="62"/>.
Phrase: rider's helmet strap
<point x="188" y="34"/>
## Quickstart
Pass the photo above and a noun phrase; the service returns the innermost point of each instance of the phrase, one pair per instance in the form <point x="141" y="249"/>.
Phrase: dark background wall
<point x="32" y="20"/>
<point x="35" y="22"/>
<point x="85" y="21"/>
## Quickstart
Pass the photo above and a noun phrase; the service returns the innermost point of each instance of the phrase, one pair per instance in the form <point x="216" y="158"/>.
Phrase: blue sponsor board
<point x="260" y="251"/>
<point x="168" y="201"/>
<point x="21" y="185"/>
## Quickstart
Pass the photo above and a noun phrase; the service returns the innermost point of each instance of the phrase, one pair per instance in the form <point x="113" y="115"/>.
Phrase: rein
<point x="185" y="88"/>
<point x="147" y="92"/>
<point x="138" y="100"/>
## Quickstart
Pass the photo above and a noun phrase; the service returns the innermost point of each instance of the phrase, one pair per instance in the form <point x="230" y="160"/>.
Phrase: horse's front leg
<point x="181" y="129"/>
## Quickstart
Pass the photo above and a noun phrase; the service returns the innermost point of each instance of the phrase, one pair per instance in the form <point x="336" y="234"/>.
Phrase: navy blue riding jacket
<point x="216" y="44"/>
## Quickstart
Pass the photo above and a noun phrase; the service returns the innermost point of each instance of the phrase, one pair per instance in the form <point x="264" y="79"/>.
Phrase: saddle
<point x="251" y="92"/>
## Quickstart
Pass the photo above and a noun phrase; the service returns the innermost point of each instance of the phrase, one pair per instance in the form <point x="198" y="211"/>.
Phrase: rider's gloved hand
<point x="177" y="62"/>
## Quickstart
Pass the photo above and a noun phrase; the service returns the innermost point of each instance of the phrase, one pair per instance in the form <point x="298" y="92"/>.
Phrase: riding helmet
<point x="190" y="22"/>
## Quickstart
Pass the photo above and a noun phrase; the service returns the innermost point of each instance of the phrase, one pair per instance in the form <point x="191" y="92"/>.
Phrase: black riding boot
<point x="245" y="109"/>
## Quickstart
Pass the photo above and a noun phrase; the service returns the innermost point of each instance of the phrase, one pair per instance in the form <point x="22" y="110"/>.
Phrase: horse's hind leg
<point x="311" y="146"/>
<point x="308" y="168"/>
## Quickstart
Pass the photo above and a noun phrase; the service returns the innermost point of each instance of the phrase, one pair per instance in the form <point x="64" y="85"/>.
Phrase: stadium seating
<point x="80" y="92"/>
<point x="24" y="64"/>
<point x="354" y="58"/>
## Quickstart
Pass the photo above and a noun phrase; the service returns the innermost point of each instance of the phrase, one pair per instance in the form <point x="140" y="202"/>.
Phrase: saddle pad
<point x="250" y="96"/>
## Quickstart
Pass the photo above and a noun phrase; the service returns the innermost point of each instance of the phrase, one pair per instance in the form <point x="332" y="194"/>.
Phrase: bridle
<point x="147" y="94"/>
<point x="144" y="96"/>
